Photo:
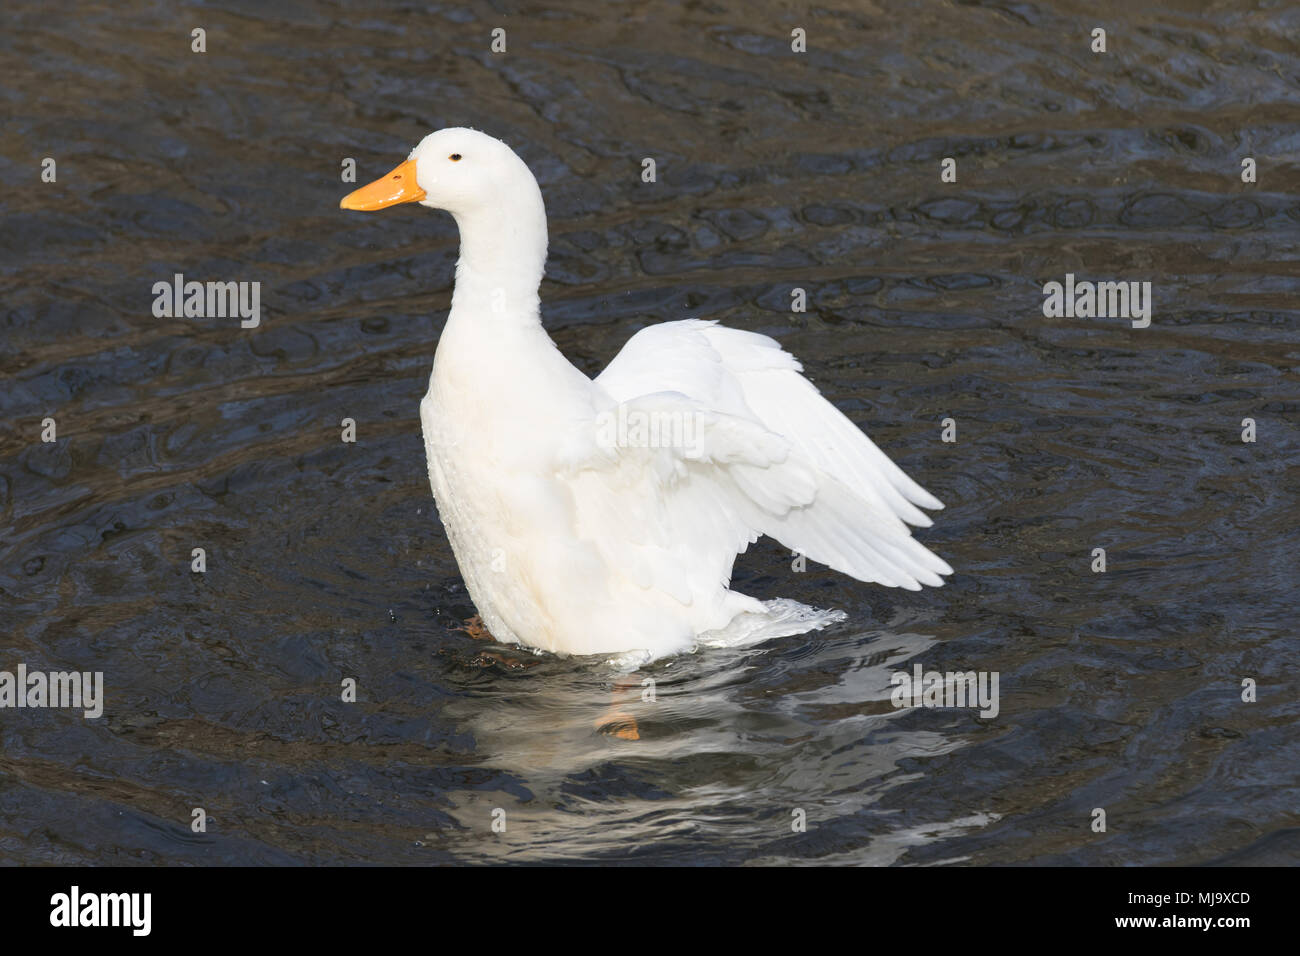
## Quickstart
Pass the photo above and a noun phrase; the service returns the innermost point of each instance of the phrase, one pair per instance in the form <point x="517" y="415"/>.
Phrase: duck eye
<point x="454" y="157"/>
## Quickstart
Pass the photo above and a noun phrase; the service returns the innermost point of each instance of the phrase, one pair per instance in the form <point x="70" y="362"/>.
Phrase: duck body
<point x="603" y="516"/>
<point x="493" y="450"/>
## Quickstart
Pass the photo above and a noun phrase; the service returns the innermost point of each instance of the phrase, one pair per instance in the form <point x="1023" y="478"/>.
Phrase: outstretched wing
<point x="767" y="455"/>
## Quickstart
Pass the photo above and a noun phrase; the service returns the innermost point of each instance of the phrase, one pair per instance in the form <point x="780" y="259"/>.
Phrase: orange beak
<point x="397" y="187"/>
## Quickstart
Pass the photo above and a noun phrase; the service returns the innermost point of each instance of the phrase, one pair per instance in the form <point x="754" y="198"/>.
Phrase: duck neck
<point x="502" y="258"/>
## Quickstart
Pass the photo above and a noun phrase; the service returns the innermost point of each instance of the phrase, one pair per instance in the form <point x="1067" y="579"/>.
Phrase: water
<point x="326" y="561"/>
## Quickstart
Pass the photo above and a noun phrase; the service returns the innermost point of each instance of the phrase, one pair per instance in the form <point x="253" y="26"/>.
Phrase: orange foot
<point x="619" y="723"/>
<point x="475" y="629"/>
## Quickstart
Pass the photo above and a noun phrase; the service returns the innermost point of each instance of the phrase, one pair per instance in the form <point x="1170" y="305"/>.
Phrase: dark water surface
<point x="1119" y="690"/>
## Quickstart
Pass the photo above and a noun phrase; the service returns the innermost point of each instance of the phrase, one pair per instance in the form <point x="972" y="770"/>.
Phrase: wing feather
<point x="771" y="456"/>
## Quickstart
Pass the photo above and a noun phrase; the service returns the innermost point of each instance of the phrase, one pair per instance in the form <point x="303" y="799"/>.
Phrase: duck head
<point x="456" y="169"/>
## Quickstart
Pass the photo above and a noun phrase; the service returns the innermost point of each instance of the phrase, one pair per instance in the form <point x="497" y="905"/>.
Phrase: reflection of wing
<point x="768" y="456"/>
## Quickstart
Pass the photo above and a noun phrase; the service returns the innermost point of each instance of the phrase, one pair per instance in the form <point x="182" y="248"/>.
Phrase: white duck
<point x="604" y="516"/>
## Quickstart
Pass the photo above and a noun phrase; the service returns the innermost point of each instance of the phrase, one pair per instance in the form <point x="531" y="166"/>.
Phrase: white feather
<point x="578" y="542"/>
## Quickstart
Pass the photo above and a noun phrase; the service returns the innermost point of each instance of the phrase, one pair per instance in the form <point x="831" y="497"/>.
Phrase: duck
<point x="598" y="516"/>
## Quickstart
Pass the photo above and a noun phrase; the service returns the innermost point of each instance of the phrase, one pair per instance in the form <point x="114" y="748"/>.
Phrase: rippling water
<point x="777" y="170"/>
